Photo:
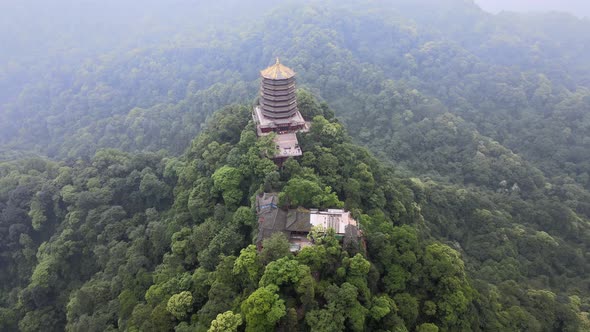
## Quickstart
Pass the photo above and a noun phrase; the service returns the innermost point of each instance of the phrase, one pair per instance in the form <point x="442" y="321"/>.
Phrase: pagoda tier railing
<point x="278" y="88"/>
<point x="279" y="115"/>
<point x="285" y="97"/>
<point x="279" y="109"/>
<point x="278" y="82"/>
<point x="280" y="103"/>
<point x="277" y="94"/>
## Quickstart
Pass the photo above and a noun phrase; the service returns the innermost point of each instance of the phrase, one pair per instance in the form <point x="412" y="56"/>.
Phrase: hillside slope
<point x="141" y="242"/>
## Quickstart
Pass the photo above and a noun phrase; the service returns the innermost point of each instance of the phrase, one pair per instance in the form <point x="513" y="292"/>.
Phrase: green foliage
<point x="199" y="201"/>
<point x="308" y="105"/>
<point x="180" y="305"/>
<point x="275" y="247"/>
<point x="326" y="132"/>
<point x="227" y="180"/>
<point x="284" y="271"/>
<point x="263" y="309"/>
<point x="306" y="193"/>
<point x="382" y="305"/>
<point x="8" y="319"/>
<point x="226" y="322"/>
<point x="37" y="320"/>
<point x="248" y="264"/>
<point x="37" y="214"/>
<point x="178" y="268"/>
<point x="427" y="327"/>
<point x="480" y="226"/>
<point x="325" y="320"/>
<point x="408" y="308"/>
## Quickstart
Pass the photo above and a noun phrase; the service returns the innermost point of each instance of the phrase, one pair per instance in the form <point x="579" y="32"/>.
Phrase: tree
<point x="343" y="305"/>
<point x="199" y="202"/>
<point x="313" y="256"/>
<point x="152" y="189"/>
<point x="244" y="217"/>
<point x="308" y="105"/>
<point x="381" y="306"/>
<point x="227" y="180"/>
<point x="325" y="320"/>
<point x="300" y="192"/>
<point x="306" y="193"/>
<point x="427" y="327"/>
<point x="263" y="309"/>
<point x="325" y="132"/>
<point x="226" y="242"/>
<point x="37" y="213"/>
<point x="226" y="322"/>
<point x="180" y="305"/>
<point x="408" y="308"/>
<point x="38" y="320"/>
<point x="275" y="247"/>
<point x="8" y="319"/>
<point x="442" y="260"/>
<point x="248" y="264"/>
<point x="284" y="271"/>
<point x="445" y="275"/>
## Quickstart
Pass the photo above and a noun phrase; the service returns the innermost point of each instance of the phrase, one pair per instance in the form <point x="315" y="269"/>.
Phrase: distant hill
<point x="574" y="7"/>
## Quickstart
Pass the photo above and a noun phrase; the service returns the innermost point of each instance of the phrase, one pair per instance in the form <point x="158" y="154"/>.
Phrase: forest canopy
<point x="129" y="167"/>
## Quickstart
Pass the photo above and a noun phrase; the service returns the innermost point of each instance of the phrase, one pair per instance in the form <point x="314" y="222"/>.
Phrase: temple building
<point x="296" y="224"/>
<point x="277" y="110"/>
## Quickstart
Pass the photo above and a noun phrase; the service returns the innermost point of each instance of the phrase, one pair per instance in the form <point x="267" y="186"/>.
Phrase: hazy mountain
<point x="574" y="7"/>
<point x="459" y="139"/>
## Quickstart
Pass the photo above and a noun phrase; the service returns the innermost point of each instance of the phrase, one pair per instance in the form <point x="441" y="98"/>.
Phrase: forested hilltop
<point x="130" y="166"/>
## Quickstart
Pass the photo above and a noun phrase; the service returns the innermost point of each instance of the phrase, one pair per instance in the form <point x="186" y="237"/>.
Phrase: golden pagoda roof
<point x="277" y="72"/>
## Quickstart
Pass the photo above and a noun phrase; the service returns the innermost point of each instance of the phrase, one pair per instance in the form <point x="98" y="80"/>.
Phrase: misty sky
<point x="579" y="8"/>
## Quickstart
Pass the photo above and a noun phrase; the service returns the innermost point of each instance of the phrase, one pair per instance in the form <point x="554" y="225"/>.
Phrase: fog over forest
<point x="578" y="8"/>
<point x="135" y="179"/>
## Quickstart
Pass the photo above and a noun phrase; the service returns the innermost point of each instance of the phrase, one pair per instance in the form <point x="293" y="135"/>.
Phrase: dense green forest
<point x="129" y="164"/>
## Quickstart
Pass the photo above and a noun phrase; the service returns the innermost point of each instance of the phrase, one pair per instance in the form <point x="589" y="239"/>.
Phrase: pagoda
<point x="277" y="110"/>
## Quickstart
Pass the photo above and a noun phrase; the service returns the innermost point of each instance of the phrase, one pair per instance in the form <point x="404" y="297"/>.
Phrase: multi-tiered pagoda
<point x="277" y="110"/>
